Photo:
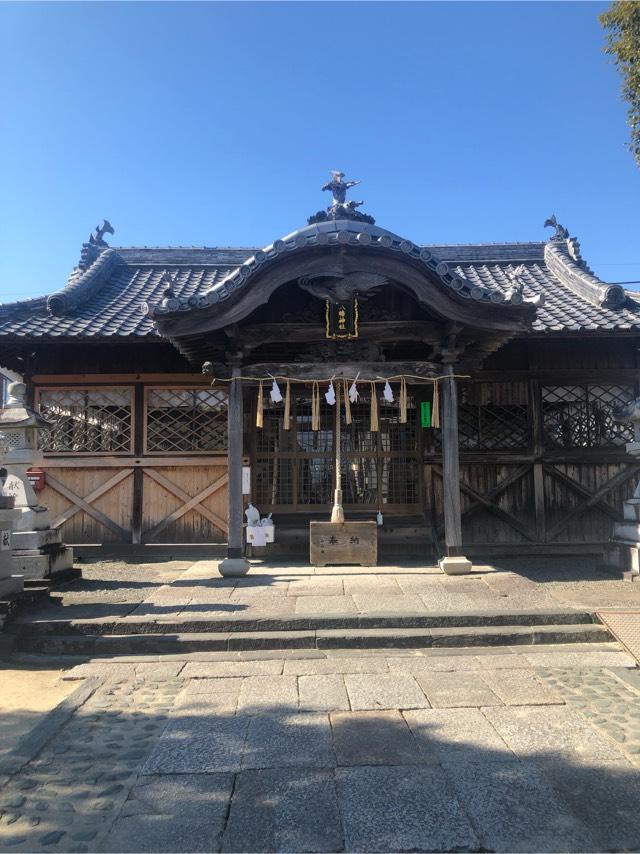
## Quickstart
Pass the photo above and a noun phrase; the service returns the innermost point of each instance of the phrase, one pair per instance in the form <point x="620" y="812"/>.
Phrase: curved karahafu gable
<point x="341" y="248"/>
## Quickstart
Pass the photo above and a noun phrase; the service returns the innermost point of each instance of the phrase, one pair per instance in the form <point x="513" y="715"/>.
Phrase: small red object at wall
<point x="38" y="479"/>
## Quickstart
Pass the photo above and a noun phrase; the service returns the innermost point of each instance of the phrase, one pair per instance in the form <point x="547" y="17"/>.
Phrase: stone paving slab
<point x="185" y="812"/>
<point x="325" y="605"/>
<point x="381" y="691"/>
<point x="520" y="688"/>
<point x="388" y="603"/>
<point x="375" y="738"/>
<point x="579" y="658"/>
<point x="548" y="731"/>
<point x="604" y="795"/>
<point x="350" y="664"/>
<point x="199" y="745"/>
<point x="322" y="693"/>
<point x="284" y="810"/>
<point x="284" y="740"/>
<point x="452" y="690"/>
<point x="514" y="809"/>
<point x="453" y="734"/>
<point x="260" y="694"/>
<point x="402" y="809"/>
<point x="209" y="670"/>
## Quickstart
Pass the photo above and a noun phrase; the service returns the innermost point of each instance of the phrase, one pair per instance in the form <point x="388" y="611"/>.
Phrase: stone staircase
<point x="139" y="636"/>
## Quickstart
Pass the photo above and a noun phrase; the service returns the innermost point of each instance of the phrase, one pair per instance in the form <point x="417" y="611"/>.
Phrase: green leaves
<point x="622" y="25"/>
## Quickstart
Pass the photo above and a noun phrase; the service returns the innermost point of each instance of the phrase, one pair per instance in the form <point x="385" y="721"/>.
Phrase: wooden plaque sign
<point x="342" y="319"/>
<point x="343" y="542"/>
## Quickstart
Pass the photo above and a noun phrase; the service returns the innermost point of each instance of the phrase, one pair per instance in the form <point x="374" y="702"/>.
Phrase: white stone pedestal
<point x="10" y="583"/>
<point x="455" y="565"/>
<point x="38" y="550"/>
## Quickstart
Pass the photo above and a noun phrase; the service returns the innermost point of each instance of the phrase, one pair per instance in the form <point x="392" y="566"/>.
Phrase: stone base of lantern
<point x="11" y="584"/>
<point x="623" y="552"/>
<point x="47" y="562"/>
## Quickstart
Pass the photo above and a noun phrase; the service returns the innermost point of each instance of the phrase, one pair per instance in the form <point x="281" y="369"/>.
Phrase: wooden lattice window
<point x="493" y="416"/>
<point x="185" y="420"/>
<point x="87" y="420"/>
<point x="579" y="416"/>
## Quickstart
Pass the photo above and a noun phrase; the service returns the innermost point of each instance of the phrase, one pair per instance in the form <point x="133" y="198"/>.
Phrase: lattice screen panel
<point x="87" y="420"/>
<point x="273" y="482"/>
<point x="579" y="416"/>
<point x="400" y="480"/>
<point x="186" y="420"/>
<point x="493" y="426"/>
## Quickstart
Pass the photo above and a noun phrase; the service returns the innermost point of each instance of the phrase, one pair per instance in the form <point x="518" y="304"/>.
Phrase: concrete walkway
<point x="529" y="748"/>
<point x="183" y="591"/>
<point x="508" y="751"/>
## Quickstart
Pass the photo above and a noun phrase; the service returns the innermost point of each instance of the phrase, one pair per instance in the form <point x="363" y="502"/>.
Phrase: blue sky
<point x="216" y="124"/>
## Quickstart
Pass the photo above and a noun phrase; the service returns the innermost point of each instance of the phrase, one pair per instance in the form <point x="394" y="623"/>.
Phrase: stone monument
<point x="38" y="551"/>
<point x="624" y="551"/>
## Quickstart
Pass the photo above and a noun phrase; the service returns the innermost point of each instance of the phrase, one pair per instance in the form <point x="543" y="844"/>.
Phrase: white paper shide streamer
<point x="275" y="394"/>
<point x="330" y="394"/>
<point x="387" y="393"/>
<point x="353" y="390"/>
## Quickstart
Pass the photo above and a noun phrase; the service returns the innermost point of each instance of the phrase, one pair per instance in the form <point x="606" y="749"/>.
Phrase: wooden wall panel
<point x="170" y="512"/>
<point x="68" y="489"/>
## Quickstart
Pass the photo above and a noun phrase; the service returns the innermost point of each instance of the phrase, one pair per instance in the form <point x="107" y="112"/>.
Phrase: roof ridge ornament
<point x="95" y="245"/>
<point x="562" y="233"/>
<point x="340" y="208"/>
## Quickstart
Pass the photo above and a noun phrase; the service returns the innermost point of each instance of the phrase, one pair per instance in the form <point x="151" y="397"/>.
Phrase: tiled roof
<point x="105" y="299"/>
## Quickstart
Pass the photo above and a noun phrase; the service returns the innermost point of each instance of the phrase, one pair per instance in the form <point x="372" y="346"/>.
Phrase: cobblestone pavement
<point x="509" y="749"/>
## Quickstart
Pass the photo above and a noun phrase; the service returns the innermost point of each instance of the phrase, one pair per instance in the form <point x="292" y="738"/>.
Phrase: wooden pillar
<point x="453" y="562"/>
<point x="235" y="562"/>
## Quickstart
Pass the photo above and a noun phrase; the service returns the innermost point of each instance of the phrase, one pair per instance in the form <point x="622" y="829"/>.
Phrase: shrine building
<point x="471" y="388"/>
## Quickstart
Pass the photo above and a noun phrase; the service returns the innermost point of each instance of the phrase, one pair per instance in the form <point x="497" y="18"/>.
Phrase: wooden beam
<point x="255" y="335"/>
<point x="90" y="462"/>
<point x="349" y="370"/>
<point x="235" y="437"/>
<point x="176" y="379"/>
<point x="451" y="468"/>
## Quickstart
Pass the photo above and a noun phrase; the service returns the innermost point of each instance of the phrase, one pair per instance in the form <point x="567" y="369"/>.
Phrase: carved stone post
<point x="453" y="562"/>
<point x="235" y="562"/>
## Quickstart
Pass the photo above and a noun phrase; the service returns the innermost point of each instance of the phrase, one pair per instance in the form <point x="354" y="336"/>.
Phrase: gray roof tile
<point x="112" y="307"/>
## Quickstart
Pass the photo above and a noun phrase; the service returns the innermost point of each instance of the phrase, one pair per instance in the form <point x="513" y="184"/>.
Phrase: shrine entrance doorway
<point x="294" y="470"/>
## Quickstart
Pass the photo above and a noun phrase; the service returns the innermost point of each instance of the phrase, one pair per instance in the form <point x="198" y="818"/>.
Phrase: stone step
<point x="401" y="620"/>
<point x="390" y="638"/>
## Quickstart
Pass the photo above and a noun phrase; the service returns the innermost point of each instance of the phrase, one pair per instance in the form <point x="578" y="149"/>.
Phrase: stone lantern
<point x="10" y="584"/>
<point x="37" y="548"/>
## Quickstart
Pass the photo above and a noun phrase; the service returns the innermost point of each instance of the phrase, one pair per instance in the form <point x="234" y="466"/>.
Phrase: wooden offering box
<point x="343" y="542"/>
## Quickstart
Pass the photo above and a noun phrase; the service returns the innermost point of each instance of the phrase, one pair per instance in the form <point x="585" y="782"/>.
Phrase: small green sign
<point x="425" y="413"/>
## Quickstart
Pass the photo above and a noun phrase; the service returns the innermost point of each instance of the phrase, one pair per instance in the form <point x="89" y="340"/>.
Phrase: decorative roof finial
<point x="561" y="232"/>
<point x="341" y="208"/>
<point x="97" y="238"/>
